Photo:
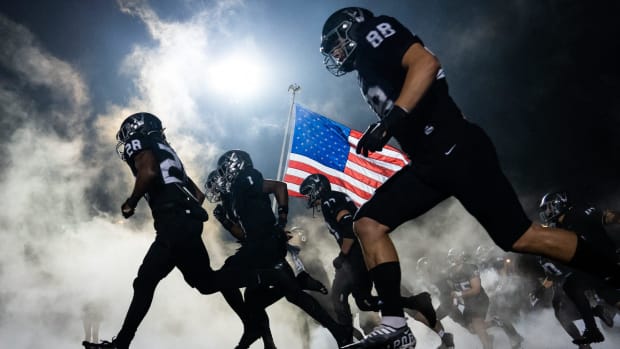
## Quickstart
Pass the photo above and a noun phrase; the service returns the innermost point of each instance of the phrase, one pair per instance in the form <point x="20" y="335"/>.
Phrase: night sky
<point x="540" y="76"/>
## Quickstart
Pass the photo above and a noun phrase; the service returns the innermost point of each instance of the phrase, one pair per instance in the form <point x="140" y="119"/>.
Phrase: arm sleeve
<point x="346" y="226"/>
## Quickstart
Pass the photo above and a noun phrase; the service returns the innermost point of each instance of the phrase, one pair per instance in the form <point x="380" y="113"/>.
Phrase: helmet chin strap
<point x="315" y="208"/>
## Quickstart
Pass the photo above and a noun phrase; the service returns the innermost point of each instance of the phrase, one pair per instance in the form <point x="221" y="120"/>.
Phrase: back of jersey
<point x="251" y="205"/>
<point x="172" y="189"/>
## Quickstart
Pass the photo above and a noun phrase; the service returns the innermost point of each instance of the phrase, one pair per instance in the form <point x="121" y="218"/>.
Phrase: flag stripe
<point x="305" y="167"/>
<point x="299" y="162"/>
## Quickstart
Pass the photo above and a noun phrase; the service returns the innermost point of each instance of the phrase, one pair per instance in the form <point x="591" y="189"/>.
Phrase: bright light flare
<point x="237" y="76"/>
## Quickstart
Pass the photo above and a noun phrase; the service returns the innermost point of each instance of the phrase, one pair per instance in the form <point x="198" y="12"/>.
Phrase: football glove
<point x="129" y="206"/>
<point x="378" y="134"/>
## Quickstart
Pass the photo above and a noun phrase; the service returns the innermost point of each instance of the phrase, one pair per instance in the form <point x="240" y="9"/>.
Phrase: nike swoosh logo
<point x="450" y="150"/>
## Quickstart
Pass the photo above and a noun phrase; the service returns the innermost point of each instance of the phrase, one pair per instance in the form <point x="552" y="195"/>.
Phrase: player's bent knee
<point x="368" y="229"/>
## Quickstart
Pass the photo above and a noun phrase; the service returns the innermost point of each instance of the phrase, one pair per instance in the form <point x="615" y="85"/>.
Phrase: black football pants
<point x="178" y="243"/>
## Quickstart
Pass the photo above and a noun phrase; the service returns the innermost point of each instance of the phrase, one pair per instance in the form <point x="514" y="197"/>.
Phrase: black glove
<point x="129" y="206"/>
<point x="339" y="260"/>
<point x="220" y="214"/>
<point x="378" y="134"/>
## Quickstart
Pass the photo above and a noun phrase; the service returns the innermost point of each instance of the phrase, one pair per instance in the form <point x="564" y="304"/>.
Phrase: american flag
<point x="321" y="145"/>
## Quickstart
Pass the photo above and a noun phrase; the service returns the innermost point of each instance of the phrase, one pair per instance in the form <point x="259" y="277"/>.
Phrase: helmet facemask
<point x="338" y="48"/>
<point x="230" y="166"/>
<point x="314" y="188"/>
<point x="214" y="187"/>
<point x="312" y="192"/>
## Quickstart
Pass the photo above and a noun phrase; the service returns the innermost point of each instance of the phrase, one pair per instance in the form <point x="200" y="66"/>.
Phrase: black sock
<point x="594" y="261"/>
<point x="386" y="277"/>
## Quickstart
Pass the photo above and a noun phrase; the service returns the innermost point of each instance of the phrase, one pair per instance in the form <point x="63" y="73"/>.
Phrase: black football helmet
<point x="552" y="206"/>
<point x="230" y="164"/>
<point x="482" y="253"/>
<point x="339" y="38"/>
<point x="423" y="265"/>
<point x="214" y="186"/>
<point x="456" y="256"/>
<point x="142" y="123"/>
<point x="315" y="187"/>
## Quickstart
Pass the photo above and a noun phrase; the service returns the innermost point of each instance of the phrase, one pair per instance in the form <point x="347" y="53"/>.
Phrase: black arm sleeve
<point x="346" y="226"/>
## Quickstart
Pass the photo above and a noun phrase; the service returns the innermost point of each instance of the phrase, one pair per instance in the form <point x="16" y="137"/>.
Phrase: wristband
<point x="394" y="117"/>
<point x="458" y="294"/>
<point x="283" y="209"/>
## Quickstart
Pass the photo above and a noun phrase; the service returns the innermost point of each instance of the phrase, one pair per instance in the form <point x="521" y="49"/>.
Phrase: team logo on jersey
<point x="428" y="129"/>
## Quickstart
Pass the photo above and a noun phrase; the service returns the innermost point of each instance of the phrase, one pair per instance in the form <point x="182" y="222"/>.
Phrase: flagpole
<point x="293" y="89"/>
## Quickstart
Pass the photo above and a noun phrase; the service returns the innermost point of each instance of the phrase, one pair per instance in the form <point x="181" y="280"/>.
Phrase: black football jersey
<point x="459" y="278"/>
<point x="172" y="185"/>
<point x="336" y="202"/>
<point x="588" y="222"/>
<point x="382" y="44"/>
<point x="251" y="205"/>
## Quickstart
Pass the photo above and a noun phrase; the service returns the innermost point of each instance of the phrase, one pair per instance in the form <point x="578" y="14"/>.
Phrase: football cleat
<point x="447" y="341"/>
<point x="606" y="314"/>
<point x="590" y="336"/>
<point x="386" y="337"/>
<point x="516" y="341"/>
<point x="103" y="345"/>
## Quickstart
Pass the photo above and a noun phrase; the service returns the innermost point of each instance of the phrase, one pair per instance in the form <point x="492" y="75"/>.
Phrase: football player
<point x="557" y="210"/>
<point x="352" y="277"/>
<point x="175" y="203"/>
<point x="469" y="302"/>
<point x="571" y="306"/>
<point x="406" y="86"/>
<point x="214" y="193"/>
<point x="260" y="261"/>
<point x="265" y="295"/>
